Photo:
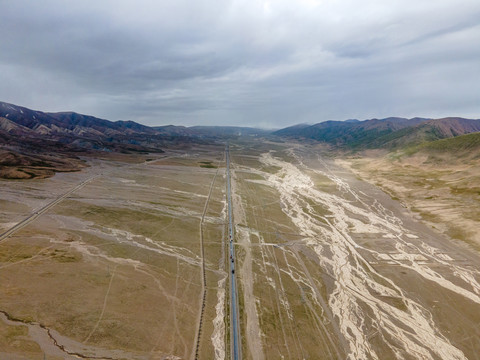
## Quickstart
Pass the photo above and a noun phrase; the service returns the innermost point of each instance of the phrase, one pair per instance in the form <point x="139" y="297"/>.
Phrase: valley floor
<point x="340" y="270"/>
<point x="444" y="193"/>
<point x="328" y="266"/>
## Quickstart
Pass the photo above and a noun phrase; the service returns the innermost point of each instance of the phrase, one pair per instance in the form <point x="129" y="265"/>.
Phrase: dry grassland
<point x="114" y="271"/>
<point x="328" y="266"/>
<point x="444" y="193"/>
<point x="285" y="311"/>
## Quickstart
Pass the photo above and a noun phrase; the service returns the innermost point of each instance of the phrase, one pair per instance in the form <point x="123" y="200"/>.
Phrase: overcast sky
<point x="242" y="62"/>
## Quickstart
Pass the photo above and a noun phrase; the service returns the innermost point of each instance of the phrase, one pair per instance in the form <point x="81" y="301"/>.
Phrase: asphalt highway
<point x="236" y="354"/>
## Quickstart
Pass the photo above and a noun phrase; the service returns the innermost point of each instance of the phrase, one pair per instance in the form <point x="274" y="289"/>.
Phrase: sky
<point x="262" y="63"/>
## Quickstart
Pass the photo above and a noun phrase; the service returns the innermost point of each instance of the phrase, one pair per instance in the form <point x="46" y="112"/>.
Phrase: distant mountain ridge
<point x="38" y="144"/>
<point x="389" y="133"/>
<point x="66" y="122"/>
<point x="42" y="142"/>
<point x="16" y="119"/>
<point x="220" y="131"/>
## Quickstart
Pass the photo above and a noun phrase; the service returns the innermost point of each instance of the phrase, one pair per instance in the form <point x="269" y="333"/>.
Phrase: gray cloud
<point x="250" y="62"/>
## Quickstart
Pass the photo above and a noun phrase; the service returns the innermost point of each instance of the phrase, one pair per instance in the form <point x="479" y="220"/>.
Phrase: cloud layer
<point x="250" y="62"/>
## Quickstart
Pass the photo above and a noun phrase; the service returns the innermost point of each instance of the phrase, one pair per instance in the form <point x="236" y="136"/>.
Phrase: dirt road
<point x="44" y="209"/>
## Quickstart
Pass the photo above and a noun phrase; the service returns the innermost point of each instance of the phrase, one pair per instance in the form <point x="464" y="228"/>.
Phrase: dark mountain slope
<point x="69" y="123"/>
<point x="352" y="134"/>
<point x="71" y="120"/>
<point x="389" y="133"/>
<point x="430" y="131"/>
<point x="460" y="144"/>
<point x="294" y="130"/>
<point x="174" y="130"/>
<point x="38" y="144"/>
<point x="451" y="150"/>
<point x="226" y="131"/>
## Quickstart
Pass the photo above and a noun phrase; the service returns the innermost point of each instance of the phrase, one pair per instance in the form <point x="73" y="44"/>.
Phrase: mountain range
<point x="389" y="133"/>
<point x="74" y="130"/>
<point x="37" y="144"/>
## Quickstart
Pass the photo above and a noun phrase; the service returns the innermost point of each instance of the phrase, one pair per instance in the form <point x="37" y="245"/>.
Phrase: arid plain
<point x="127" y="259"/>
<point x="114" y="270"/>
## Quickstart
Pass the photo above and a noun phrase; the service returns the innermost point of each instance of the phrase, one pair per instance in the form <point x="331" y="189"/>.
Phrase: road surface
<point x="204" y="278"/>
<point x="37" y="213"/>
<point x="234" y="323"/>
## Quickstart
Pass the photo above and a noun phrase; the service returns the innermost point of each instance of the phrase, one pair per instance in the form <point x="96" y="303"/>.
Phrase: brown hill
<point x="389" y="133"/>
<point x="37" y="144"/>
<point x="460" y="149"/>
<point x="18" y="165"/>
